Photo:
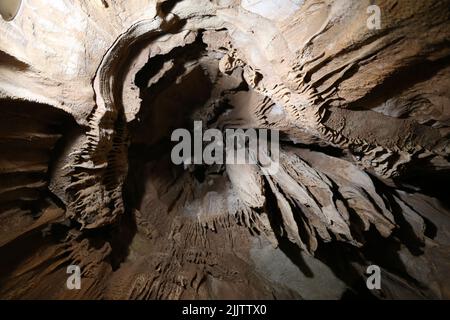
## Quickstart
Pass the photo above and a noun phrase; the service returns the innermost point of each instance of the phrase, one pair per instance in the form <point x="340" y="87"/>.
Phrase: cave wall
<point x="90" y="92"/>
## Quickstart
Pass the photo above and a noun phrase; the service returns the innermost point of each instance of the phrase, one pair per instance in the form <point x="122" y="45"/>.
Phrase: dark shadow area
<point x="425" y="179"/>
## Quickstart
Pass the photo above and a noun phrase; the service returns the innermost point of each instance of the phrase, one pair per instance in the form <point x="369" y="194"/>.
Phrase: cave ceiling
<point x="91" y="92"/>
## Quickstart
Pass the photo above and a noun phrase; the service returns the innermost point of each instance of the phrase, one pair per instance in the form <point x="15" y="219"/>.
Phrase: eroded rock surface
<point x="90" y="92"/>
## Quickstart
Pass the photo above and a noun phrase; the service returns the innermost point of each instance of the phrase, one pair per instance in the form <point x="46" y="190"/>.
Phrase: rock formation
<point x="90" y="92"/>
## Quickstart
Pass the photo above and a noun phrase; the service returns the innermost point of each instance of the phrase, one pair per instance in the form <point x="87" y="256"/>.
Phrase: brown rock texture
<point x="90" y="92"/>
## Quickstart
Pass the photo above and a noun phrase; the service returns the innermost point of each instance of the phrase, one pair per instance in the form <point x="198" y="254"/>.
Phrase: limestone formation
<point x="90" y="92"/>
